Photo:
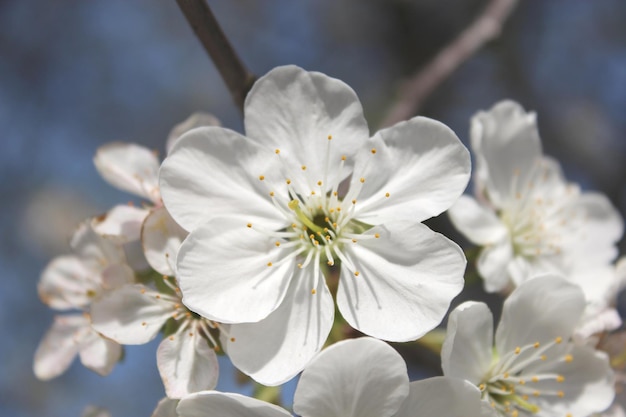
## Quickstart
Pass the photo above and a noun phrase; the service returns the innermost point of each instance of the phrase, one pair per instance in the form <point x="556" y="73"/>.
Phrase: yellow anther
<point x="522" y="382"/>
<point x="387" y="195"/>
<point x="312" y="192"/>
<point x="249" y="225"/>
<point x="330" y="263"/>
<point x="534" y="379"/>
<point x="335" y="225"/>
<point x="357" y="273"/>
<point x="288" y="181"/>
<point x="303" y="167"/>
<point x="536" y="393"/>
<point x="143" y="291"/>
<point x="171" y="337"/>
<point x="295" y="226"/>
<point x="277" y="151"/>
<point x="158" y="296"/>
<point x="536" y="345"/>
<point x="561" y="394"/>
<point x="373" y="150"/>
<point x="300" y="266"/>
<point x="269" y="264"/>
<point x="362" y="180"/>
<point x="376" y="235"/>
<point x="232" y="339"/>
<point x="525" y="397"/>
<point x="514" y="413"/>
<point x="505" y="375"/>
<point x="560" y="378"/>
<point x="343" y="157"/>
<point x="271" y="193"/>
<point x="558" y="340"/>
<point x="277" y="244"/>
<point x="319" y="183"/>
<point x="330" y="137"/>
<point x="518" y="350"/>
<point x="568" y="358"/>
<point x="353" y="240"/>
<point x="354" y="201"/>
<point x="261" y="177"/>
<point x="143" y="323"/>
<point x="335" y="193"/>
<point x="313" y="291"/>
<point x="338" y="209"/>
<point x="190" y="334"/>
<point x="543" y="357"/>
<point x="326" y="219"/>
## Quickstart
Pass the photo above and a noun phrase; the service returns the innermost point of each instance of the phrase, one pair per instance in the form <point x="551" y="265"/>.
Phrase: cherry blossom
<point x="534" y="367"/>
<point x="526" y="216"/>
<point x="308" y="190"/>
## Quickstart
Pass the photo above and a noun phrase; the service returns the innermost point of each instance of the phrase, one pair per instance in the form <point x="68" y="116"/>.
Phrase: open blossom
<point x="306" y="190"/>
<point x="354" y="378"/>
<point x="74" y="282"/>
<point x="134" y="314"/>
<point x="529" y="219"/>
<point x="534" y="367"/>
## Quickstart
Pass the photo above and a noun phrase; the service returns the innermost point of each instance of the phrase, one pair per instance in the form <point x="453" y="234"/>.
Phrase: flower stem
<point x="236" y="76"/>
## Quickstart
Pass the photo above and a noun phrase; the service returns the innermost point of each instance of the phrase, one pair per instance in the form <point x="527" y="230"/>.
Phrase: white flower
<point x="134" y="314"/>
<point x="74" y="282"/>
<point x="534" y="368"/>
<point x="353" y="378"/>
<point x="527" y="217"/>
<point x="269" y="211"/>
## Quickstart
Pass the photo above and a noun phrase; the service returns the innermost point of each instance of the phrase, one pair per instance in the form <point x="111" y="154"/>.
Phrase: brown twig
<point x="485" y="28"/>
<point x="236" y="76"/>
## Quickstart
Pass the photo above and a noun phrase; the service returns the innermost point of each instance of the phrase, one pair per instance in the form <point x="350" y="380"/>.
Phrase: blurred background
<point x="75" y="75"/>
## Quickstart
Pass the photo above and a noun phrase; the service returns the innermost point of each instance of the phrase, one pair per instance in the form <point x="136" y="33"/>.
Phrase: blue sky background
<point x="75" y="75"/>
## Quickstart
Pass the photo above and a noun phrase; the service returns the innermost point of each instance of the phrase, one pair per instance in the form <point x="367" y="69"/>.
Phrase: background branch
<point x="414" y="91"/>
<point x="236" y="76"/>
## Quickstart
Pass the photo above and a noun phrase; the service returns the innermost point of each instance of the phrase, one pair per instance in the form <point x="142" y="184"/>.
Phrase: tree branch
<point x="485" y="28"/>
<point x="236" y="76"/>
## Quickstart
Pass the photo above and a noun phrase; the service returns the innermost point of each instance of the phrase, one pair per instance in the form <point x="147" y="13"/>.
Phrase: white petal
<point x="353" y="378"/>
<point x="165" y="408"/>
<point x="130" y="315"/>
<point x="467" y="349"/>
<point x="507" y="145"/>
<point x="603" y="226"/>
<point x="197" y="119"/>
<point x="59" y="347"/>
<point x="99" y="353"/>
<point x="296" y="111"/>
<point x="275" y="349"/>
<point x="95" y="249"/>
<point x="479" y="224"/>
<point x="492" y="265"/>
<point x="441" y="396"/>
<point x="122" y="222"/>
<point x="213" y="172"/>
<point x="407" y="277"/>
<point x="224" y="275"/>
<point x="129" y="167"/>
<point x="539" y="310"/>
<point x="67" y="283"/>
<point x="421" y="164"/>
<point x="213" y="403"/>
<point x="596" y="322"/>
<point x="588" y="384"/>
<point x="161" y="237"/>
<point x="187" y="364"/>
<point x="116" y="276"/>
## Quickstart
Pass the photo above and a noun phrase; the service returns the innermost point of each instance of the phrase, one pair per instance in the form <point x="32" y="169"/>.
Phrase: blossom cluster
<point x="266" y="246"/>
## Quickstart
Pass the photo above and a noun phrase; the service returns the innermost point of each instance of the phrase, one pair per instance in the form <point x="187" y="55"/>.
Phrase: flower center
<point x="510" y="387"/>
